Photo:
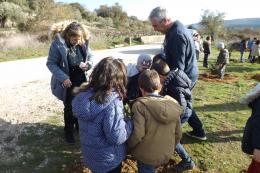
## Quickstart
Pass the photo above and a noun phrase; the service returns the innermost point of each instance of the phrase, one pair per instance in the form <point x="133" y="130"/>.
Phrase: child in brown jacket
<point x="157" y="127"/>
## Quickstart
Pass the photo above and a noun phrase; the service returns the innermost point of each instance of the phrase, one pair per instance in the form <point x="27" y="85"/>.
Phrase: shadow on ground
<point x="35" y="147"/>
<point x="222" y="107"/>
<point x="216" y="137"/>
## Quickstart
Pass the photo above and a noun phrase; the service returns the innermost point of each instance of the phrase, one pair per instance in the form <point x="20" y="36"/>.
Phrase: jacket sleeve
<point x="180" y="52"/>
<point x="256" y="124"/>
<point x="178" y="132"/>
<point x="89" y="59"/>
<point x="116" y="129"/>
<point x="139" y="125"/>
<point x="53" y="63"/>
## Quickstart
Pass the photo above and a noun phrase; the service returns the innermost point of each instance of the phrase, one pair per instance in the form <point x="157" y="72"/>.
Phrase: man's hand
<point x="67" y="83"/>
<point x="256" y="155"/>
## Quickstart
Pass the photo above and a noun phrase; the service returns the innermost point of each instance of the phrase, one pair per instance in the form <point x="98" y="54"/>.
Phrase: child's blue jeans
<point x="145" y="168"/>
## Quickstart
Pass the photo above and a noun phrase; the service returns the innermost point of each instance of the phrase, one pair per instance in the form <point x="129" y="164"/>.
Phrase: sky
<point x="187" y="11"/>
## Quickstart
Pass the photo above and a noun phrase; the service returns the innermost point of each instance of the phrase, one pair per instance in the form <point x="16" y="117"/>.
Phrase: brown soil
<point x="129" y="166"/>
<point x="228" y="78"/>
<point x="256" y="77"/>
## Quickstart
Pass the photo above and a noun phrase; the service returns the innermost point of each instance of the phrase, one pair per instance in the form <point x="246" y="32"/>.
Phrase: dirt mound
<point x="256" y="77"/>
<point x="252" y="76"/>
<point x="228" y="78"/>
<point x="129" y="166"/>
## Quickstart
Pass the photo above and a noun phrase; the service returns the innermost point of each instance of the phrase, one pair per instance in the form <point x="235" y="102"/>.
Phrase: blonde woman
<point x="69" y="58"/>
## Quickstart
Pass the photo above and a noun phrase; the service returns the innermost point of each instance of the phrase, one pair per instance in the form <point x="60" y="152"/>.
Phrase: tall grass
<point x="21" y="46"/>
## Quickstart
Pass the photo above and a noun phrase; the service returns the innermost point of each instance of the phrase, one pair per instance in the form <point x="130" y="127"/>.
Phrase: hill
<point x="243" y="23"/>
<point x="238" y="23"/>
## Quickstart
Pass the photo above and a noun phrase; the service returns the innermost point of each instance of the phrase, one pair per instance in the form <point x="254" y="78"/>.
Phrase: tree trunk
<point x="3" y="21"/>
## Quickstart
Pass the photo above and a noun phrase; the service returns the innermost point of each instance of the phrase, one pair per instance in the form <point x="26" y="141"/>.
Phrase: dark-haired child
<point x="100" y="112"/>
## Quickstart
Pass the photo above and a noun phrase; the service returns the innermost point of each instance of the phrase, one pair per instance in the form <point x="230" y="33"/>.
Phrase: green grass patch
<point x="24" y="53"/>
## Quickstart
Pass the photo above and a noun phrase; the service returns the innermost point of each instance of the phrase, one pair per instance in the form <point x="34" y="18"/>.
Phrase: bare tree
<point x="212" y="22"/>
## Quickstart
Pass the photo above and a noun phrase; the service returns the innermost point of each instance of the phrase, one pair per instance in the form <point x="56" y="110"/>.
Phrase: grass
<point x="42" y="148"/>
<point x="35" y="49"/>
<point x="24" y="52"/>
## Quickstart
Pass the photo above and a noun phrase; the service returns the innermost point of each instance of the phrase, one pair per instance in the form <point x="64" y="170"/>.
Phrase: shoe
<point x="69" y="138"/>
<point x="194" y="135"/>
<point x="184" y="165"/>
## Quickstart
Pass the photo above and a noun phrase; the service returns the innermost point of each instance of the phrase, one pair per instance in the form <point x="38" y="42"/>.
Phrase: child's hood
<point x="252" y="95"/>
<point x="88" y="109"/>
<point x="163" y="109"/>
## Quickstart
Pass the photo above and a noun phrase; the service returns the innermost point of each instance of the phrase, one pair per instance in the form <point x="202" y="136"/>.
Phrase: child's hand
<point x="256" y="155"/>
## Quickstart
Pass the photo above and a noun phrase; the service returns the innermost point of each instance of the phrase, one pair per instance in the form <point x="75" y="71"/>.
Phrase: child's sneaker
<point x="184" y="165"/>
<point x="197" y="136"/>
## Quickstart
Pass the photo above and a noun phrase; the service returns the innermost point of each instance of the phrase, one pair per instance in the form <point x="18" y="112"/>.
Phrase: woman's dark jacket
<point x="58" y="65"/>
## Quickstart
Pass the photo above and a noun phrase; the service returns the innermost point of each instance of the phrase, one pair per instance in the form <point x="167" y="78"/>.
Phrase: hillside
<point x="238" y="23"/>
<point x="243" y="23"/>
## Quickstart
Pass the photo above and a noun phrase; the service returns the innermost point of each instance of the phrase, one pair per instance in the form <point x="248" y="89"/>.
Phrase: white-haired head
<point x="158" y="13"/>
<point x="221" y="45"/>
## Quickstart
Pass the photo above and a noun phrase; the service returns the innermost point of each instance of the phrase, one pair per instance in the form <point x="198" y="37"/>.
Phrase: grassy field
<point x="42" y="148"/>
<point x="24" y="53"/>
<point x="35" y="49"/>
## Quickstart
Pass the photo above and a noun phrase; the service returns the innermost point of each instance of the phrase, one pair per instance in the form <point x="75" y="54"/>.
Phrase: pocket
<point x="57" y="89"/>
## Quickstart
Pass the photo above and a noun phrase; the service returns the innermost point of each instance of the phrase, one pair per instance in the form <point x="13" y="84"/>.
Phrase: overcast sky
<point x="187" y="11"/>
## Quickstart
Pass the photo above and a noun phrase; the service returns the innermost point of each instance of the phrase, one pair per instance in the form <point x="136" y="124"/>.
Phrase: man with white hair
<point x="180" y="54"/>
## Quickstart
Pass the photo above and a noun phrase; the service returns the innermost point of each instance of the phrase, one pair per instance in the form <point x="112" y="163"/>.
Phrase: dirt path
<point x="21" y="106"/>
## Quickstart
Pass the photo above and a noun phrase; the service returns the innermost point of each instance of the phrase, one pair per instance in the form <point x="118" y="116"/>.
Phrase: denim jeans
<point x="196" y="124"/>
<point x="194" y="120"/>
<point x="205" y="61"/>
<point x="221" y="71"/>
<point x="242" y="59"/>
<point x="182" y="152"/>
<point x="145" y="168"/>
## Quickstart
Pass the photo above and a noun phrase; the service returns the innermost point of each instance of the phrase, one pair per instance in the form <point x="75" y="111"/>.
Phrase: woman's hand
<point x="84" y="66"/>
<point x="256" y="155"/>
<point x="67" y="83"/>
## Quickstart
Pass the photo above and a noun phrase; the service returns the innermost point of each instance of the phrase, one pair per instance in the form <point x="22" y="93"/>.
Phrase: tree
<point x="81" y="9"/>
<point x="9" y="10"/>
<point x="47" y="12"/>
<point x="17" y="2"/>
<point x="115" y="12"/>
<point x="212" y="22"/>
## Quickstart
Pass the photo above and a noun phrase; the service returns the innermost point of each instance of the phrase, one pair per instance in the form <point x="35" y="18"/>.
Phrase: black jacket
<point x="251" y="137"/>
<point x="133" y="91"/>
<point x="206" y="47"/>
<point x="178" y="85"/>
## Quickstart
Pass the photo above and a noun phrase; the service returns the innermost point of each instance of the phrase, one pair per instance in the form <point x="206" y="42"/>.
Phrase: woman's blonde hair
<point x="70" y="29"/>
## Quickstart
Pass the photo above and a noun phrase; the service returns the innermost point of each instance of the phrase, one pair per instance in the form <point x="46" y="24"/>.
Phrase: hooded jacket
<point x="103" y="130"/>
<point x="178" y="86"/>
<point x="57" y="63"/>
<point x="157" y="129"/>
<point x="251" y="137"/>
